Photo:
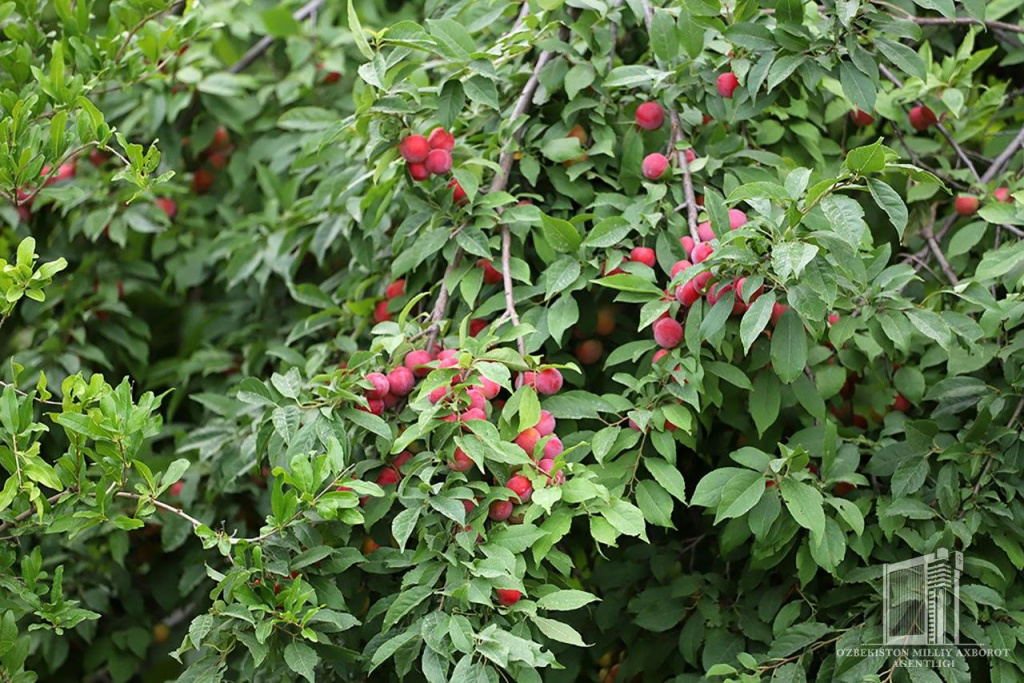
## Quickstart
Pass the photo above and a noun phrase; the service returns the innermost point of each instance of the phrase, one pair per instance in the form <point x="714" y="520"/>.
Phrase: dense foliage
<point x="688" y="319"/>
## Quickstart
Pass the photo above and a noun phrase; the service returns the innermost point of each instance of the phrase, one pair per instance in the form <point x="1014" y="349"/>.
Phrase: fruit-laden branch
<point x="443" y="294"/>
<point x="995" y="169"/>
<point x="501" y="181"/>
<point x="254" y="53"/>
<point x="688" y="196"/>
<point x="942" y="129"/>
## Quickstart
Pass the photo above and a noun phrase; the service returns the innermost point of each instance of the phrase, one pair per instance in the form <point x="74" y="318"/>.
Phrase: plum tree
<point x="387" y="407"/>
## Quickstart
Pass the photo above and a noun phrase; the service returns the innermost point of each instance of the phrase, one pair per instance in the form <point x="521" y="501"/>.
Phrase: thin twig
<point x="28" y="513"/>
<point x="942" y="129"/>
<point x="163" y="506"/>
<point x="522" y="104"/>
<point x="940" y="257"/>
<point x="135" y="29"/>
<point x="26" y="395"/>
<point x="994" y="25"/>
<point x="995" y="169"/>
<point x="254" y="53"/>
<point x="988" y="463"/>
<point x="500" y="182"/>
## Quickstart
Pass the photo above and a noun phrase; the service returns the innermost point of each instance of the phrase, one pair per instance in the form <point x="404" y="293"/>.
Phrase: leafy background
<point x="183" y="378"/>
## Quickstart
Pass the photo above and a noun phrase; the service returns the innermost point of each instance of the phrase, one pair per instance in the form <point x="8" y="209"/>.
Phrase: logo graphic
<point x="921" y="615"/>
<point x="921" y="600"/>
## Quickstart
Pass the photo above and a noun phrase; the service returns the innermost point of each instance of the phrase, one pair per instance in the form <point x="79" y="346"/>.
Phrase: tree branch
<point x="500" y="182"/>
<point x="254" y="53"/>
<point x="163" y="506"/>
<point x="442" y="296"/>
<point x="28" y="513"/>
<point x="942" y="21"/>
<point x="688" y="196"/>
<point x="506" y="280"/>
<point x="442" y="302"/>
<point x="995" y="169"/>
<point x="940" y="257"/>
<point x="942" y="129"/>
<point x="25" y="394"/>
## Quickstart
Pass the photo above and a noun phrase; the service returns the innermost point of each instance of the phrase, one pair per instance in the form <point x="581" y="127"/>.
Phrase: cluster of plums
<point x="431" y="155"/>
<point x="463" y="404"/>
<point x="474" y="403"/>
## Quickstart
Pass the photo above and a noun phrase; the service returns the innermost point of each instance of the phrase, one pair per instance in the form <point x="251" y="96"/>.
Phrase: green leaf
<point x="556" y="630"/>
<point x="357" y="32"/>
<point x="655" y="504"/>
<point x="482" y="91"/>
<point x="755" y="319"/>
<point x="867" y="159"/>
<point x="560" y="233"/>
<point x="450" y="102"/>
<point x="279" y="22"/>
<point x="390" y="647"/>
<point x="789" y="347"/>
<point x="629" y="283"/>
<point x="625" y="517"/>
<point x="740" y="494"/>
<point x="405" y="602"/>
<point x="566" y="600"/>
<point x="944" y="7"/>
<point x="804" y="502"/>
<point x="790" y="258"/>
<point x="857" y="87"/>
<point x="850" y="513"/>
<point x="301" y="659"/>
<point x="633" y="75"/>
<point x="891" y="203"/>
<point x="578" y="78"/>
<point x="730" y="373"/>
<point x="666" y="474"/>
<point x="664" y="39"/>
<point x="709" y="489"/>
<point x="932" y="325"/>
<point x="765" y="400"/>
<point x="902" y="56"/>
<point x="452" y="37"/>
<point x="403" y="525"/>
<point x="796" y="638"/>
<point x="846" y="217"/>
<point x="562" y="149"/>
<point x="998" y="262"/>
<point x="759" y="190"/>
